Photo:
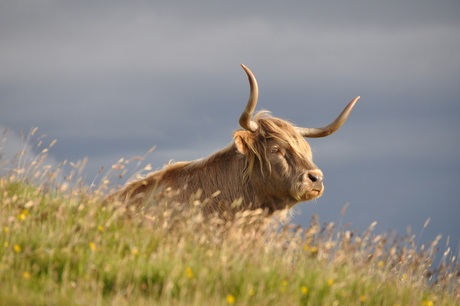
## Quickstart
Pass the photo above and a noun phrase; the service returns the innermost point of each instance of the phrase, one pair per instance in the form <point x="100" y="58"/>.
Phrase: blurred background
<point x="111" y="79"/>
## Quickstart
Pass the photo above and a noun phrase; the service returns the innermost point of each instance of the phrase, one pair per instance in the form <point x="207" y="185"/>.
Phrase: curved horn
<point x="245" y="119"/>
<point x="331" y="128"/>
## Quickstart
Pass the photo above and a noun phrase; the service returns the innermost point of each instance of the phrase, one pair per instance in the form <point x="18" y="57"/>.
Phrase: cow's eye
<point x="275" y="150"/>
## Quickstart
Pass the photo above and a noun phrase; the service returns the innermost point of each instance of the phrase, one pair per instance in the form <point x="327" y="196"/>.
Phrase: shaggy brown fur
<point x="270" y="168"/>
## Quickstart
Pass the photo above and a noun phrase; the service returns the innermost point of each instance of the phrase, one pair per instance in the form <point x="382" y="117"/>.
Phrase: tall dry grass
<point x="62" y="243"/>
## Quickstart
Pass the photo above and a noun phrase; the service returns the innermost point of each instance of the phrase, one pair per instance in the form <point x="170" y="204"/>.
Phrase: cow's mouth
<point x="310" y="195"/>
<point x="315" y="193"/>
<point x="306" y="192"/>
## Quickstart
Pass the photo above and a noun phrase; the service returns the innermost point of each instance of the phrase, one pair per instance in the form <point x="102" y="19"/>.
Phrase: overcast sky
<point x="111" y="79"/>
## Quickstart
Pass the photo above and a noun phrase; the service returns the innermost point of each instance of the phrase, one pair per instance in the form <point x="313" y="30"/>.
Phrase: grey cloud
<point x="133" y="39"/>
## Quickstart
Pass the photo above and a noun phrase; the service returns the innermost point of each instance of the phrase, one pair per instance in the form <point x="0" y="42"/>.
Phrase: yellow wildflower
<point x="304" y="289"/>
<point x="135" y="251"/>
<point x="330" y="282"/>
<point x="17" y="248"/>
<point x="363" y="298"/>
<point x="427" y="303"/>
<point x="189" y="272"/>
<point x="6" y="244"/>
<point x="100" y="228"/>
<point x="26" y="275"/>
<point x="92" y="246"/>
<point x="230" y="299"/>
<point x="251" y="292"/>
<point x="6" y="229"/>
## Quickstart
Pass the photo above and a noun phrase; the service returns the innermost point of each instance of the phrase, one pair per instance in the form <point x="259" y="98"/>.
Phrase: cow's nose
<point x="315" y="177"/>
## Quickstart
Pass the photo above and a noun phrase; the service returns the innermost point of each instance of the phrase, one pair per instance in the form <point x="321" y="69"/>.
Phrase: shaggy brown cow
<point x="268" y="165"/>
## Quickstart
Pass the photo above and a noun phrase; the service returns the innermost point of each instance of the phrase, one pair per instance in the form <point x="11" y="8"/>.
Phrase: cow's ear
<point x="241" y="138"/>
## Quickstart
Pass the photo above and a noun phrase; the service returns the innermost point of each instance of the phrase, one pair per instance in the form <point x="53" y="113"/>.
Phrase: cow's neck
<point x="222" y="171"/>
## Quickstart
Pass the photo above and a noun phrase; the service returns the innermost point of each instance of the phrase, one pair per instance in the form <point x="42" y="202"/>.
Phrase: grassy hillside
<point x="62" y="244"/>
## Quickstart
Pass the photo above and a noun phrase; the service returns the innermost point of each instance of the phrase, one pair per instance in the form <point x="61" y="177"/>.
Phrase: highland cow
<point x="268" y="165"/>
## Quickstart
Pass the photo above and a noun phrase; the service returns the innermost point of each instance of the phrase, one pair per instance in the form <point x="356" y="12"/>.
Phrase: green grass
<point x="62" y="244"/>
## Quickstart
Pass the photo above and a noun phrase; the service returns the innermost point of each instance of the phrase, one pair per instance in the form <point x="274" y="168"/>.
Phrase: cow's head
<point x="278" y="159"/>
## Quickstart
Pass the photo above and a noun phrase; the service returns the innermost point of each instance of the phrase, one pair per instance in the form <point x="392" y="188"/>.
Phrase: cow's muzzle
<point x="316" y="179"/>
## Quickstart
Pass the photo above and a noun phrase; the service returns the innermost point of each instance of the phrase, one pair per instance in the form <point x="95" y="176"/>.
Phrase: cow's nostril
<point x="315" y="177"/>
